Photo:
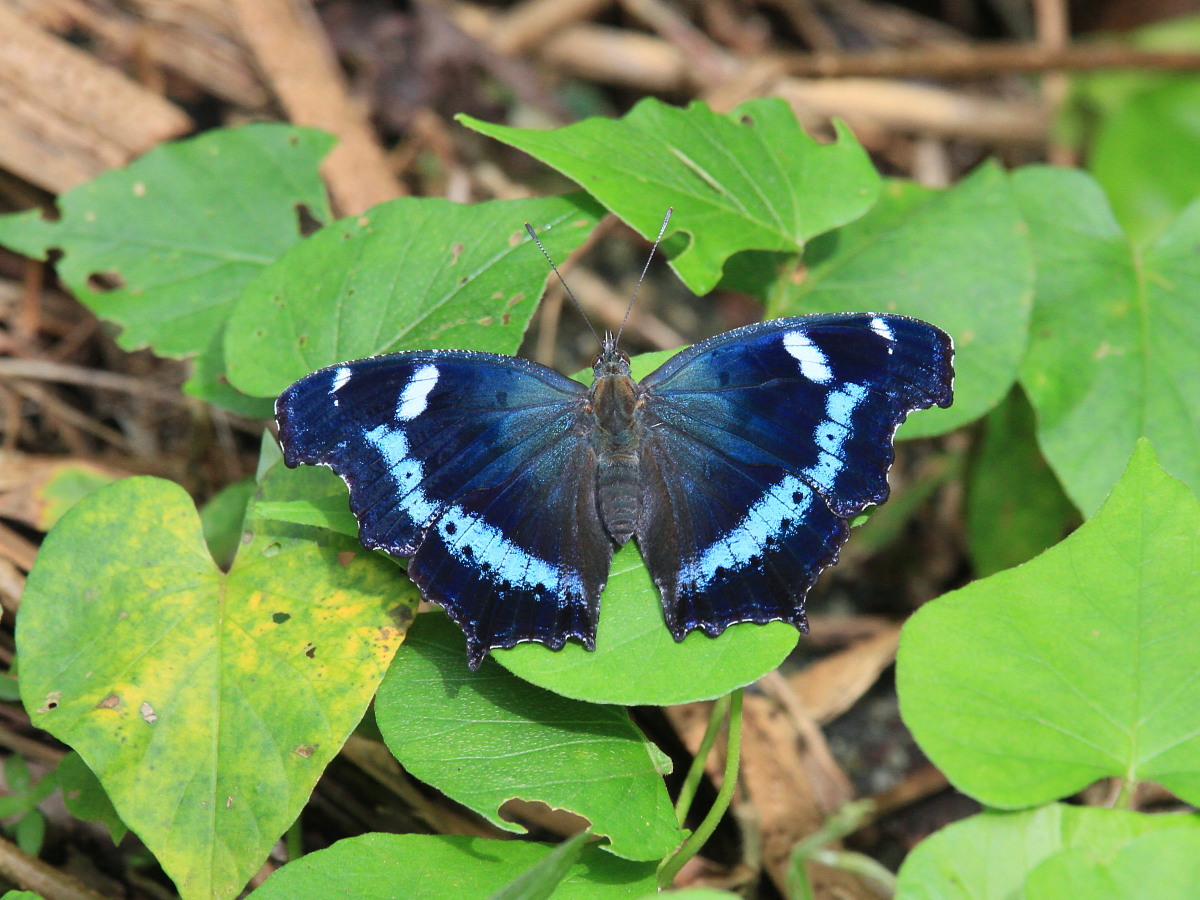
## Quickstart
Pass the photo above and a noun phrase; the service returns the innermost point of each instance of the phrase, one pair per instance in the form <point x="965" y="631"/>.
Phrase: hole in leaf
<point x="306" y="221"/>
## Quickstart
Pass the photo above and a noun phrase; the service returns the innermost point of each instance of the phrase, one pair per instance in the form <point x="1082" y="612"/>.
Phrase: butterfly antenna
<point x="566" y="287"/>
<point x="646" y="268"/>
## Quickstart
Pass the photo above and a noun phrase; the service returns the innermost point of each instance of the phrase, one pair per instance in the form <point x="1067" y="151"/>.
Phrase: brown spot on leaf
<point x="149" y="716"/>
<point x="506" y="318"/>
<point x="455" y="253"/>
<point x="305" y="750"/>
<point x="346" y="557"/>
<point x="310" y="650"/>
<point x="517" y="298"/>
<point x="112" y="701"/>
<point x="402" y="616"/>
<point x="486" y="320"/>
<point x="51" y="702"/>
<point x="101" y="282"/>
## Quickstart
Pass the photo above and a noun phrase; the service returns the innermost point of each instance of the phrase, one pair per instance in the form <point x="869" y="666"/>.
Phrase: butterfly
<point x="736" y="465"/>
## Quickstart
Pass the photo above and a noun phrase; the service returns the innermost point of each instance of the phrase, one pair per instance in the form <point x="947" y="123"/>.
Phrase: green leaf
<point x="484" y="737"/>
<point x="539" y="881"/>
<point x="85" y="797"/>
<point x="21" y="895"/>
<point x="989" y="856"/>
<point x="222" y="518"/>
<point x="1015" y="506"/>
<point x="207" y="704"/>
<point x="958" y="258"/>
<point x="70" y="482"/>
<point x="750" y="180"/>
<point x="1147" y="187"/>
<point x="30" y="832"/>
<point x="181" y="230"/>
<point x="1079" y="665"/>
<point x="410" y="273"/>
<point x="1112" y="354"/>
<point x="443" y="867"/>
<point x="633" y="638"/>
<point x="1164" y="865"/>
<point x="332" y="512"/>
<point x="16" y="775"/>
<point x="10" y="689"/>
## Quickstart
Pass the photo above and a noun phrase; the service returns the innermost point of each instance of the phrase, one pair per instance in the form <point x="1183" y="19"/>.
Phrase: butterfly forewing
<point x="759" y="443"/>
<point x="475" y="466"/>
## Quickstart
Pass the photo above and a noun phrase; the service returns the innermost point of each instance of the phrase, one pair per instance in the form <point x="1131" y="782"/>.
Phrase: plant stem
<point x="1124" y="798"/>
<point x="733" y="750"/>
<point x="859" y="864"/>
<point x="691" y="782"/>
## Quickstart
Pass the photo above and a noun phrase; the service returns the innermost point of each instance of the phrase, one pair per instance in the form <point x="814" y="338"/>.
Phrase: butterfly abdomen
<point x="617" y="440"/>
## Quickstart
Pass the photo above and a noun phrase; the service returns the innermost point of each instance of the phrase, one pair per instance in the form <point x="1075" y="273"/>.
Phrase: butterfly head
<point x="610" y="360"/>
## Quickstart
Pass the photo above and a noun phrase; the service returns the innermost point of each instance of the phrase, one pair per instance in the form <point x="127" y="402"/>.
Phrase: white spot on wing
<point x="813" y="364"/>
<point x="881" y="328"/>
<point x="415" y="396"/>
<point x="340" y="376"/>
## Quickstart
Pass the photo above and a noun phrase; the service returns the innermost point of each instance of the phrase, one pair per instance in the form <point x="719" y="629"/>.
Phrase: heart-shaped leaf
<point x="413" y="273"/>
<point x="1079" y="665"/>
<point x="208" y="704"/>
<point x="1112" y="354"/>
<point x="750" y="180"/>
<point x="506" y="739"/>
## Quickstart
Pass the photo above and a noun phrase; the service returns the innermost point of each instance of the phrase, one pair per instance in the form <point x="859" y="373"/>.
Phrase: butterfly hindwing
<point x="473" y="465"/>
<point x="760" y="443"/>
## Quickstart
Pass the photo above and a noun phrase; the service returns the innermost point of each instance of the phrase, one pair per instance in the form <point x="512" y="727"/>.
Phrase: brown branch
<point x="31" y="874"/>
<point x="971" y="61"/>
<point x="293" y="51"/>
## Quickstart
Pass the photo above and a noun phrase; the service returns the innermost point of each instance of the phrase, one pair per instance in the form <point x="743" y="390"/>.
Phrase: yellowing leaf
<point x="208" y="704"/>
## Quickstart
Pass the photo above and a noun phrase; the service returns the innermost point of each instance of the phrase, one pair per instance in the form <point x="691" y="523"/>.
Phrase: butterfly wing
<point x="477" y="467"/>
<point x="760" y="443"/>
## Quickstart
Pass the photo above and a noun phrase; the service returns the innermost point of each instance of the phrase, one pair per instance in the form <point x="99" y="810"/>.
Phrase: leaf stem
<point x="691" y="782"/>
<point x="1124" y="799"/>
<point x="859" y="864"/>
<point x="733" y="751"/>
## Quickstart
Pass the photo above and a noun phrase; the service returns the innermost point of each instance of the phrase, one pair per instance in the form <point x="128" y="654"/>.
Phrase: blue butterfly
<point x="735" y="465"/>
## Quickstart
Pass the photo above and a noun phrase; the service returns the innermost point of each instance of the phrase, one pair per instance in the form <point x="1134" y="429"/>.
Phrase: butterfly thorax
<point x="616" y="440"/>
